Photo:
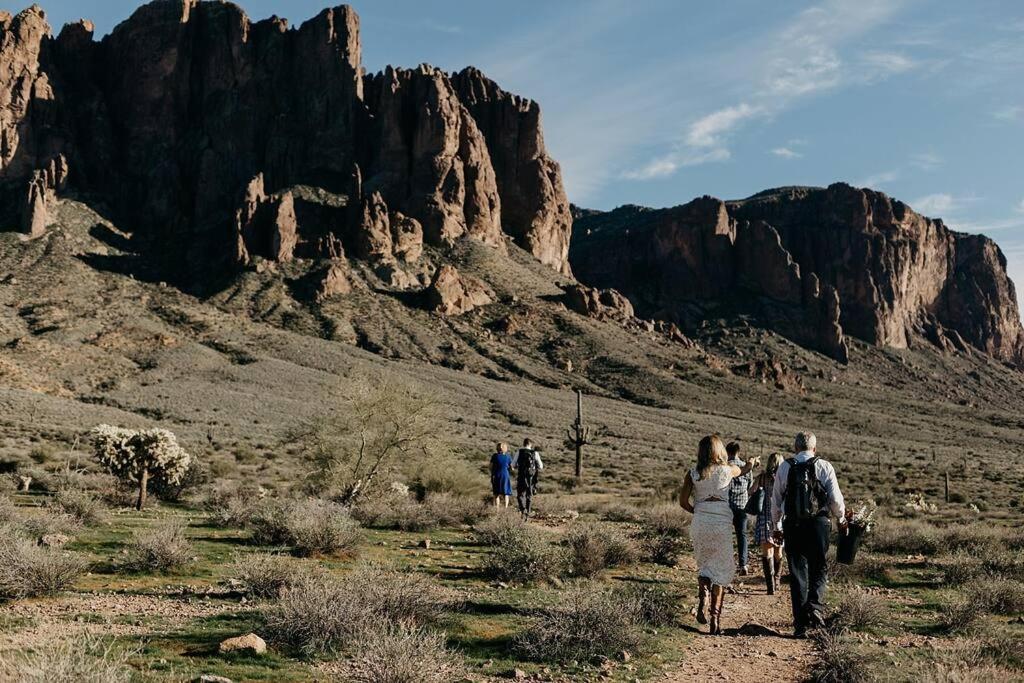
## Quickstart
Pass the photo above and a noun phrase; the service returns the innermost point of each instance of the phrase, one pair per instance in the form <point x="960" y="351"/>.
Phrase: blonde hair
<point x="774" y="460"/>
<point x="710" y="452"/>
<point x="502" y="446"/>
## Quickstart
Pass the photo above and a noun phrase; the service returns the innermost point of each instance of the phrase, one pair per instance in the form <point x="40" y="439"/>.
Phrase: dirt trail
<point x="755" y="645"/>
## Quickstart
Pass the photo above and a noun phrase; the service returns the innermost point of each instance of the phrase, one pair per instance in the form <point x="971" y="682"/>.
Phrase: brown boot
<point x="717" y="598"/>
<point x="768" y="565"/>
<point x="703" y="594"/>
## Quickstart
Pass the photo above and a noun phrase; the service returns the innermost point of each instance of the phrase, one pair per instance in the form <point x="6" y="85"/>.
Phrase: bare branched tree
<point x="381" y="423"/>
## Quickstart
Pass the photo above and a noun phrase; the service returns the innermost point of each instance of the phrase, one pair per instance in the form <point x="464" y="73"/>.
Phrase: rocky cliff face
<point x="817" y="264"/>
<point x="176" y="117"/>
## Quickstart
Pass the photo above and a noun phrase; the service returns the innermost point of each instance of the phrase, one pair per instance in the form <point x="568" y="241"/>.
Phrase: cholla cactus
<point x="140" y="455"/>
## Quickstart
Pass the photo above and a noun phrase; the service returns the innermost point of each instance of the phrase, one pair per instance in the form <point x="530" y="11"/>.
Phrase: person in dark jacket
<point x="528" y="466"/>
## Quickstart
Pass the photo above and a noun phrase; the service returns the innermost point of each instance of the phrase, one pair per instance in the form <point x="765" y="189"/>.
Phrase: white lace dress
<point x="711" y="530"/>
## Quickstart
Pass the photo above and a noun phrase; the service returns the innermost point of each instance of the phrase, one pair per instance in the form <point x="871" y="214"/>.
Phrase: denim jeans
<point x="739" y="522"/>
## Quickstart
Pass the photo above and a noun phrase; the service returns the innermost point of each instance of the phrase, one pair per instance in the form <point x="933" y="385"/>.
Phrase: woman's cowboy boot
<point x="768" y="566"/>
<point x="703" y="593"/>
<point x="778" y="573"/>
<point x="717" y="598"/>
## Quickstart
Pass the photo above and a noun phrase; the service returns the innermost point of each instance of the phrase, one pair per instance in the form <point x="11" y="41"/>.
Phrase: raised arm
<point x="686" y="493"/>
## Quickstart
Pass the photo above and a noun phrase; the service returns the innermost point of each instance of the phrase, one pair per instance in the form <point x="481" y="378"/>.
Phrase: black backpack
<point x="805" y="496"/>
<point x="526" y="464"/>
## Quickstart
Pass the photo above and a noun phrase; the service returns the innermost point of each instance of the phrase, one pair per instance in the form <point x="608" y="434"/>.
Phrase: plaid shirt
<point x="739" y="486"/>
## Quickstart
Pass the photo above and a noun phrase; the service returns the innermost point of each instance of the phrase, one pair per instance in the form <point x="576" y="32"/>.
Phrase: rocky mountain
<point x="817" y="264"/>
<point x="215" y="139"/>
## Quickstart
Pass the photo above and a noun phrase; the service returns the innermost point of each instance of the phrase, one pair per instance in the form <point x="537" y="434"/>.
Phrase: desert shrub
<point x="449" y="510"/>
<point x="651" y="605"/>
<point x="959" y="672"/>
<point x="232" y="506"/>
<point x="584" y="622"/>
<point x="319" y="616"/>
<point x="621" y="512"/>
<point x="42" y="453"/>
<point x="1006" y="563"/>
<point x="595" y="547"/>
<point x="838" y="661"/>
<point x="976" y="538"/>
<point x="159" y="549"/>
<point x="320" y="527"/>
<point x="868" y="566"/>
<point x="268" y="521"/>
<point x="28" y="570"/>
<point x="82" y="505"/>
<point x="905" y="537"/>
<point x="523" y="554"/>
<point x="44" y="522"/>
<point x="83" y="659"/>
<point x="1000" y="596"/>
<point x="958" y="615"/>
<point x="398" y="653"/>
<point x="496" y="526"/>
<point x="961" y="568"/>
<point x="265" y="575"/>
<point x="859" y="610"/>
<point x="663" y="534"/>
<point x="454" y="476"/>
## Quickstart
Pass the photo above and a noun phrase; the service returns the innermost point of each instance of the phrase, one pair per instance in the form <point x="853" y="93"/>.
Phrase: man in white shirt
<point x="805" y="494"/>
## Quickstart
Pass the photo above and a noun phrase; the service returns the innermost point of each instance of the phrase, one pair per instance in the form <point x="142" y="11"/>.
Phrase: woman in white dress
<point x="711" y="530"/>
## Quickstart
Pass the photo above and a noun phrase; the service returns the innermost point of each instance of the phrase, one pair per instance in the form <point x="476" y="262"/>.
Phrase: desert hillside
<point x="226" y="228"/>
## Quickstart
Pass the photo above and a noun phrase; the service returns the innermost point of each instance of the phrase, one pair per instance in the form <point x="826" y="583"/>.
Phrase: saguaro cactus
<point x="579" y="435"/>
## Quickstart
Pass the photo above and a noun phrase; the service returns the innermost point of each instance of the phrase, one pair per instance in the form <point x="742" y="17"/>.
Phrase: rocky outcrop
<point x="452" y="293"/>
<point x="172" y="116"/>
<point x="817" y="264"/>
<point x="41" y="194"/>
<point x="334" y="281"/>
<point x="770" y="371"/>
<point x="602" y="304"/>
<point x="535" y="210"/>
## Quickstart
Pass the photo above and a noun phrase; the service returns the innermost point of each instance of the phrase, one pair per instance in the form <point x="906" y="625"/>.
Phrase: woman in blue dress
<point x="501" y="475"/>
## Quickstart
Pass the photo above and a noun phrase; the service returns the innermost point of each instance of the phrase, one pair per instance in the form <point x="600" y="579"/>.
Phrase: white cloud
<point x="786" y="153"/>
<point x="926" y="161"/>
<point x="1019" y="208"/>
<point x="669" y="164"/>
<point x="708" y="130"/>
<point x="878" y="179"/>
<point x="935" y="204"/>
<point x="883" y="64"/>
<point x="1009" y="113"/>
<point x="817" y="69"/>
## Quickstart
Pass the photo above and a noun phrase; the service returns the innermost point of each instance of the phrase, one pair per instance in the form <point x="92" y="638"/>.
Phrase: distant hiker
<point x="712" y="528"/>
<point x="528" y="466"/>
<point x="738" y="504"/>
<point x="771" y="550"/>
<point x="804" y="493"/>
<point x="501" y="475"/>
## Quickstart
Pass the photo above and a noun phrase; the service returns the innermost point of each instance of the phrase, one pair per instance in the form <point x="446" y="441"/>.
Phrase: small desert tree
<point x="140" y="456"/>
<point x="350" y="445"/>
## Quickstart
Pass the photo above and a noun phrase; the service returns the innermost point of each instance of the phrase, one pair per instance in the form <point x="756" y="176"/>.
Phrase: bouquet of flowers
<point x="862" y="515"/>
<point x="859" y="519"/>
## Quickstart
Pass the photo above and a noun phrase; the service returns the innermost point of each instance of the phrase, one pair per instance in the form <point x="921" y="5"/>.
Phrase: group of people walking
<point x="798" y="497"/>
<point x="526" y="467"/>
<point x="792" y="500"/>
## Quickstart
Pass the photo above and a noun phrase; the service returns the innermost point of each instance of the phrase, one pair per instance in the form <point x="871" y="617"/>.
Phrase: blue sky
<point x="657" y="101"/>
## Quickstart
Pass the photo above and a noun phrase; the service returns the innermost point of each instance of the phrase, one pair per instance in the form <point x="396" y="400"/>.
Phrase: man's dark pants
<point x="806" y="548"/>
<point x="739" y="523"/>
<point x="524" y="494"/>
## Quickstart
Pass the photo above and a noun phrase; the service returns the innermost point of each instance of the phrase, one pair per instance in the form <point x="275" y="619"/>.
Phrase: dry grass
<point x="894" y="536"/>
<point x="266" y="575"/>
<point x="860" y="610"/>
<point x="319" y="527"/>
<point x="838" y="661"/>
<point x="523" y="554"/>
